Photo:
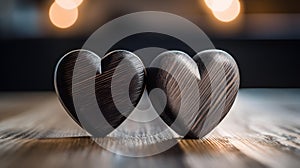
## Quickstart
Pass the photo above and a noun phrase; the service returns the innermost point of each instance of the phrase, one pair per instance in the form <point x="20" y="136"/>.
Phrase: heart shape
<point x="104" y="79"/>
<point x="200" y="91"/>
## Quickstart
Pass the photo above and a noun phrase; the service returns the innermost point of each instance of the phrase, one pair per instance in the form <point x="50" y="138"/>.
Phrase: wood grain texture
<point x="203" y="88"/>
<point x="95" y="77"/>
<point x="261" y="130"/>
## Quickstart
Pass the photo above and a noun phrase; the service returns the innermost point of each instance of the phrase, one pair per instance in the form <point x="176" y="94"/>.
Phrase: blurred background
<point x="262" y="35"/>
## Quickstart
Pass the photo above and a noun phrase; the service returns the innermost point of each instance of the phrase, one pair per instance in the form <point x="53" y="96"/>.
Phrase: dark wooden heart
<point x="105" y="70"/>
<point x="217" y="78"/>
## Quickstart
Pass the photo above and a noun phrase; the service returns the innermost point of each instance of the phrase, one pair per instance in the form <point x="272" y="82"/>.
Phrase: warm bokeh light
<point x="218" y="5"/>
<point x="61" y="17"/>
<point x="230" y="13"/>
<point x="69" y="4"/>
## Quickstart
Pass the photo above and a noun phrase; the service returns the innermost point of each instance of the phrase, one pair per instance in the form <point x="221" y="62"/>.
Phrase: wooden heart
<point x="203" y="102"/>
<point x="95" y="77"/>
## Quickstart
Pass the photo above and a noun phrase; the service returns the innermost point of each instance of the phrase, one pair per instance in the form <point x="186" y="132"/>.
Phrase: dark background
<point x="265" y="44"/>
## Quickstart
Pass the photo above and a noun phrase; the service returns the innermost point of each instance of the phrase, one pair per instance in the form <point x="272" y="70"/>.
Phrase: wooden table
<point x="261" y="130"/>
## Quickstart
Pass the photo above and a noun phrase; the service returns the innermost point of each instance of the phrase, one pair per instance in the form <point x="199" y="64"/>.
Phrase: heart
<point x="99" y="81"/>
<point x="200" y="91"/>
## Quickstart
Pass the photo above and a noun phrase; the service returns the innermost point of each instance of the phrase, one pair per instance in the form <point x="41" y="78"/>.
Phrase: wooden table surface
<point x="261" y="130"/>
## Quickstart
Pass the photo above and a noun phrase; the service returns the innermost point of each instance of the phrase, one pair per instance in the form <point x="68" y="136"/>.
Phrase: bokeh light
<point x="62" y="18"/>
<point x="218" y="5"/>
<point x="230" y="13"/>
<point x="68" y="4"/>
